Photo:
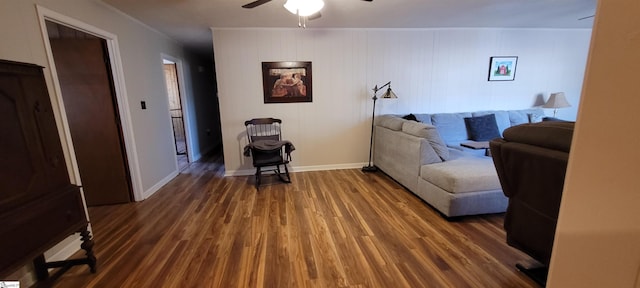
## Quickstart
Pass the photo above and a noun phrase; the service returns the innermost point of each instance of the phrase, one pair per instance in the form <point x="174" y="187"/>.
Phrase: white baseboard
<point x="159" y="185"/>
<point x="66" y="251"/>
<point x="247" y="172"/>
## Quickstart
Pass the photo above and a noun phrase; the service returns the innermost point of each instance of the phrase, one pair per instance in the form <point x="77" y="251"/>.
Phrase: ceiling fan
<point x="305" y="9"/>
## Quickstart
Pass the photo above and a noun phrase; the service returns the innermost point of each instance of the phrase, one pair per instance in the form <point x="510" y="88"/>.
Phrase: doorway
<point x="176" y="111"/>
<point x="88" y="92"/>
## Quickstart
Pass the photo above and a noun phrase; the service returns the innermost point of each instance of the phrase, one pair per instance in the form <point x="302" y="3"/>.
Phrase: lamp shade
<point x="304" y="7"/>
<point x="389" y="94"/>
<point x="557" y="100"/>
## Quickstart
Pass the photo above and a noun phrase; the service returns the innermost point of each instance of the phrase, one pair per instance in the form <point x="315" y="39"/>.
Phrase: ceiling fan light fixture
<point x="304" y="7"/>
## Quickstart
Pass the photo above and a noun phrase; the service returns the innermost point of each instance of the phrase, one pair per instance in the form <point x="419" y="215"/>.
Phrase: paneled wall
<point x="432" y="70"/>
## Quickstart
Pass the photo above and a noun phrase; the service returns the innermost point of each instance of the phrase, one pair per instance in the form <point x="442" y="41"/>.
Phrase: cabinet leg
<point x="42" y="266"/>
<point x="87" y="246"/>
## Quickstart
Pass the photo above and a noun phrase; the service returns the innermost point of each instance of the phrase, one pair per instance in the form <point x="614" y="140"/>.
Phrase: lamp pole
<point x="371" y="168"/>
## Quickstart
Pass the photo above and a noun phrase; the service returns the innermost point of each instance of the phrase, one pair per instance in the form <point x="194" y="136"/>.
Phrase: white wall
<point x="432" y="70"/>
<point x="598" y="234"/>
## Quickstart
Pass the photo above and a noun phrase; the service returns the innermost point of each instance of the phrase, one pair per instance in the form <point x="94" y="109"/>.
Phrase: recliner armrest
<point x="552" y="135"/>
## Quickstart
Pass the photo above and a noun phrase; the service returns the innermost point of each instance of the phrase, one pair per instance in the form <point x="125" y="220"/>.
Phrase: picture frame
<point x="502" y="68"/>
<point x="287" y="82"/>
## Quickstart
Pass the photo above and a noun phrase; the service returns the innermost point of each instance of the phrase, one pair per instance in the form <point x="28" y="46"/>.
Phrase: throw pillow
<point x="535" y="118"/>
<point x="410" y="117"/>
<point x="482" y="128"/>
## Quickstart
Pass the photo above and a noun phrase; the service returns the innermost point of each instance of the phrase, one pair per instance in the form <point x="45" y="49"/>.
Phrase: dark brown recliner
<point x="531" y="161"/>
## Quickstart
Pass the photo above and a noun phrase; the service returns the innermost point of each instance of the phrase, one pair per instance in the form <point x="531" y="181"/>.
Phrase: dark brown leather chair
<point x="531" y="161"/>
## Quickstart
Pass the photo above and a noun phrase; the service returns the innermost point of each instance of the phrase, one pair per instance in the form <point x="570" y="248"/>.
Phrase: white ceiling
<point x="189" y="21"/>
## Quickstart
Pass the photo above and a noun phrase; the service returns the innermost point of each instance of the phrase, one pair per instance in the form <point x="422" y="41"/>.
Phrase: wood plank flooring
<point x="340" y="228"/>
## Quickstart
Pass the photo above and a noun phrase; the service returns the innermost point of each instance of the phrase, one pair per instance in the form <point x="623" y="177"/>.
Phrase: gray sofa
<point x="426" y="158"/>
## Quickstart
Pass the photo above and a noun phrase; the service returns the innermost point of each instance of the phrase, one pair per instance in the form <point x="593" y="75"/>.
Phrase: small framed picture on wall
<point x="502" y="68"/>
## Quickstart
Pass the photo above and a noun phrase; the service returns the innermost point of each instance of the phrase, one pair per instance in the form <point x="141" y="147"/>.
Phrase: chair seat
<point x="267" y="157"/>
<point x="270" y="161"/>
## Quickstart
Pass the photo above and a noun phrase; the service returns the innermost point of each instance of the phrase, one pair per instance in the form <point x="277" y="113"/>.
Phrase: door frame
<point x="184" y="105"/>
<point x="122" y="103"/>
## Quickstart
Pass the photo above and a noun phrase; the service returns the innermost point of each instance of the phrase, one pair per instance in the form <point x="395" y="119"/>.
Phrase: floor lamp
<point x="387" y="95"/>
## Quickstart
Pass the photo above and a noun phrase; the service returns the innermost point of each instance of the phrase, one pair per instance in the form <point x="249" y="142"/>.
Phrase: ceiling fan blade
<point x="368" y="0"/>
<point x="255" y="4"/>
<point x="314" y="16"/>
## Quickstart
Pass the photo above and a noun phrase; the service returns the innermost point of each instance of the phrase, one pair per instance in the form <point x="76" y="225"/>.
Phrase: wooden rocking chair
<point x="267" y="148"/>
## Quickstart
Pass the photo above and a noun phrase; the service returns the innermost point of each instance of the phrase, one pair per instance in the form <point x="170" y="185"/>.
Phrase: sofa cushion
<point x="390" y="122"/>
<point x="535" y="118"/>
<point x="502" y="118"/>
<point x="428" y="155"/>
<point x="451" y="126"/>
<point x="482" y="128"/>
<point x="430" y="133"/>
<point x="518" y="117"/>
<point x="424" y="118"/>
<point x="462" y="174"/>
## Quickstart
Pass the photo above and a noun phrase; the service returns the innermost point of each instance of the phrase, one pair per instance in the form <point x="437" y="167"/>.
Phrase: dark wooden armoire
<point x="39" y="207"/>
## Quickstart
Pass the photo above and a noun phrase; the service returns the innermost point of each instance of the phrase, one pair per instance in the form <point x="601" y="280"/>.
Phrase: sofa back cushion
<point x="390" y="121"/>
<point x="424" y="118"/>
<point x="451" y="126"/>
<point x="430" y="133"/>
<point x="517" y="117"/>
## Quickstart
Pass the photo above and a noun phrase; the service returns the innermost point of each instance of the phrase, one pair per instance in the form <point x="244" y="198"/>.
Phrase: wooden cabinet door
<point x="39" y="206"/>
<point x="31" y="158"/>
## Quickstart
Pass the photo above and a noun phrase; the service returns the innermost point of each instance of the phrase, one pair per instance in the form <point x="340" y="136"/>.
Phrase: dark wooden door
<point x="87" y="90"/>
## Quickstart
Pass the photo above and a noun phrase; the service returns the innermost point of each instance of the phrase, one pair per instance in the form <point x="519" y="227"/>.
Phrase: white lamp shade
<point x="304" y="7"/>
<point x="557" y="100"/>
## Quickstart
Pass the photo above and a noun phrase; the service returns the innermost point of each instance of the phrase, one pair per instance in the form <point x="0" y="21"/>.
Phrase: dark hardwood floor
<point x="340" y="228"/>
